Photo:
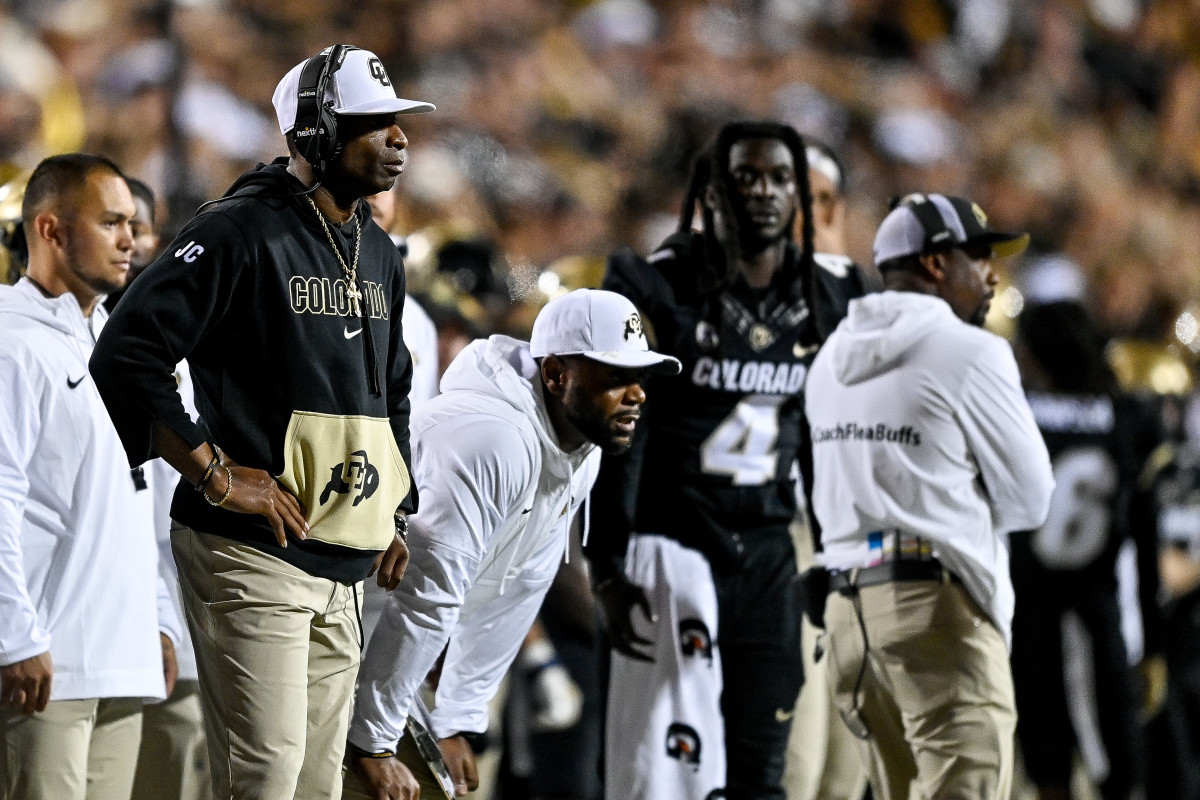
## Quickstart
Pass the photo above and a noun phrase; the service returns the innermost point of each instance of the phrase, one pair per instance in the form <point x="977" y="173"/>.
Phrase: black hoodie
<point x="287" y="380"/>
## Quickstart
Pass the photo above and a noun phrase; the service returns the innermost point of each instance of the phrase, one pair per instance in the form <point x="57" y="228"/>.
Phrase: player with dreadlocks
<point x="693" y="523"/>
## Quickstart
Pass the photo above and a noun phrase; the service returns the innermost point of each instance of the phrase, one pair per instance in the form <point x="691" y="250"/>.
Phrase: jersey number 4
<point x="743" y="445"/>
<point x="1077" y="528"/>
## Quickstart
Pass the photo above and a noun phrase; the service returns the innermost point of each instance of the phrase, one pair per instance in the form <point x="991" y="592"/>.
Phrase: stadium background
<point x="566" y="128"/>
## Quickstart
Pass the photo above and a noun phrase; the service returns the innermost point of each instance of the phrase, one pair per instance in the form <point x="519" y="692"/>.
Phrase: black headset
<point x="935" y="228"/>
<point x="315" y="131"/>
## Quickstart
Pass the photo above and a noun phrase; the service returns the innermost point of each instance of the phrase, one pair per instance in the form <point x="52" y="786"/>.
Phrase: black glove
<point x="813" y="586"/>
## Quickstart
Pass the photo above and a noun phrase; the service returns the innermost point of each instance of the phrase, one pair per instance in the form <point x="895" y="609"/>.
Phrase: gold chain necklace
<point x="351" y="272"/>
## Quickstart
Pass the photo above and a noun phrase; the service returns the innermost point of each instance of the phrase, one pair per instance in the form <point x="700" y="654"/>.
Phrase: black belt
<point x="845" y="581"/>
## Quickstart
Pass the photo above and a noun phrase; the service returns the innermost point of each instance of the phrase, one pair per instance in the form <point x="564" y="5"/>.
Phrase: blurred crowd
<point x="567" y="128"/>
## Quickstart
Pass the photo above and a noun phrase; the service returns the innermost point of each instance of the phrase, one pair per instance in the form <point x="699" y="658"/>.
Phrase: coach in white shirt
<point x="503" y="459"/>
<point x="80" y="604"/>
<point x="925" y="454"/>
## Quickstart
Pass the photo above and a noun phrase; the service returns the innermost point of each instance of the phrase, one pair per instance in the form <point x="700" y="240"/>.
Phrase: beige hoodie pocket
<point x="348" y="473"/>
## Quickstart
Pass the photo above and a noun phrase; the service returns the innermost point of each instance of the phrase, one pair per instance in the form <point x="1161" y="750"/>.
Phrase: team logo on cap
<point x="356" y="474"/>
<point x="378" y="72"/>
<point x="979" y="215"/>
<point x="694" y="639"/>
<point x="683" y="744"/>
<point x="633" y="326"/>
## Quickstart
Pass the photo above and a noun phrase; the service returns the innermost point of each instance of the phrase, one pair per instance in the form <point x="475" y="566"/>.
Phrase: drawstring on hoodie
<point x="570" y="502"/>
<point x="587" y="519"/>
<point x="373" y="381"/>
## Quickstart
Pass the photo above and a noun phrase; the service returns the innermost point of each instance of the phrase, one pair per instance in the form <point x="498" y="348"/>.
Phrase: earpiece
<point x="315" y="130"/>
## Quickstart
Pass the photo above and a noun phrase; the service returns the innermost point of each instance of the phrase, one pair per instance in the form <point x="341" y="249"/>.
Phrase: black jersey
<point x="716" y="446"/>
<point x="1102" y="450"/>
<point x="1178" y="493"/>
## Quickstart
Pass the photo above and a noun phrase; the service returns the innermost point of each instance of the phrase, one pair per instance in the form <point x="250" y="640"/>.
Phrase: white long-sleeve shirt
<point x="919" y="424"/>
<point x="78" y="568"/>
<point x="420" y="337"/>
<point x="497" y="497"/>
<point x="163" y="480"/>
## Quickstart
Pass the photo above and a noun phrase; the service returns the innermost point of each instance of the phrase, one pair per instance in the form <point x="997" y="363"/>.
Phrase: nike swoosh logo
<point x="526" y="511"/>
<point x="351" y="334"/>
<point x="72" y="384"/>
<point x="800" y="351"/>
<point x="784" y="716"/>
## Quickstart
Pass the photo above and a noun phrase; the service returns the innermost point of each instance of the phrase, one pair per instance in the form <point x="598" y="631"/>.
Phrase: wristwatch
<point x="355" y="751"/>
<point x="478" y="741"/>
<point x="401" y="527"/>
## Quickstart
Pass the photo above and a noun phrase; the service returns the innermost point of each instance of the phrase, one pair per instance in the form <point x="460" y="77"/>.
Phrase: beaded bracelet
<point x="228" y="490"/>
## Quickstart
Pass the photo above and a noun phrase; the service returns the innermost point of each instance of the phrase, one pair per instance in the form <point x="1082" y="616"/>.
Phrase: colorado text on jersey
<point x="760" y="377"/>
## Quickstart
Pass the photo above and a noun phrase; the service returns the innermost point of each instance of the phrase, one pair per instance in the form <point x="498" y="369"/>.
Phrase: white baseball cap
<point x="603" y="326"/>
<point x="953" y="221"/>
<point x="360" y="86"/>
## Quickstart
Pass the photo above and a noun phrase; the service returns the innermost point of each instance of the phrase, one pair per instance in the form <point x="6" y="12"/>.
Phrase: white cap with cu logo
<point x="603" y="326"/>
<point x="360" y="86"/>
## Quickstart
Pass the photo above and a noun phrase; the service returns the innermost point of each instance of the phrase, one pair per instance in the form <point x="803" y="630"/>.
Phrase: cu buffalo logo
<point x="633" y="326"/>
<point x="378" y="72"/>
<point x="694" y="639"/>
<point x="683" y="744"/>
<point x="356" y="475"/>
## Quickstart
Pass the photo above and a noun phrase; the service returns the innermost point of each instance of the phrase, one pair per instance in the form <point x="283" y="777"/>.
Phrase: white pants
<point x="665" y="738"/>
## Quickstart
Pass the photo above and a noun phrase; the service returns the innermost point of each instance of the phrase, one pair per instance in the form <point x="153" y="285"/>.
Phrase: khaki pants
<point x="936" y="693"/>
<point x="172" y="762"/>
<point x="277" y="651"/>
<point x="74" y="750"/>
<point x="823" y="762"/>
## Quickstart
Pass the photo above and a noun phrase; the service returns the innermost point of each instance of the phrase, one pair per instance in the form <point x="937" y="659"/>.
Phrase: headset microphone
<point x="315" y="130"/>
